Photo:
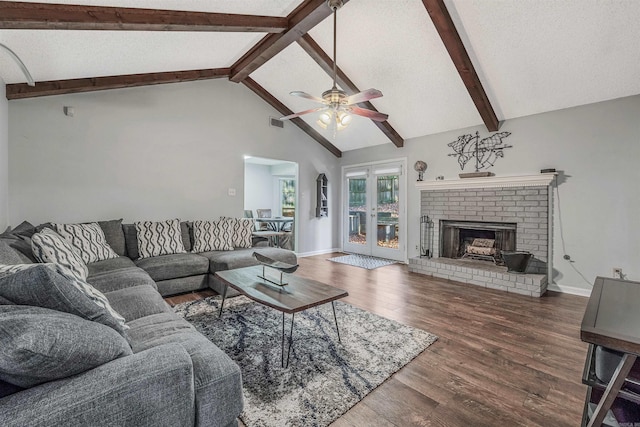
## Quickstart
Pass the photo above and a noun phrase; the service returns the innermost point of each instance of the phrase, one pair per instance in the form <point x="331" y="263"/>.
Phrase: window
<point x="288" y="197"/>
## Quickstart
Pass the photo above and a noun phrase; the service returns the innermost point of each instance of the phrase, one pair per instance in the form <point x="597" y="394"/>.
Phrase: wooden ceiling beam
<point x="451" y="39"/>
<point x="282" y="109"/>
<point x="61" y="87"/>
<point x="46" y="16"/>
<point x="306" y="16"/>
<point x="314" y="50"/>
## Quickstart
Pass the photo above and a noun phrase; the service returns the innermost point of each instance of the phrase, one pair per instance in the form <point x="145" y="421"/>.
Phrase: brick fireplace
<point x="499" y="208"/>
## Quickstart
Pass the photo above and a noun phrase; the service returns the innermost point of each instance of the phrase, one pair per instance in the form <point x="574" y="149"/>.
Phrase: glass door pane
<point x="357" y="202"/>
<point x="388" y="190"/>
<point x="388" y="205"/>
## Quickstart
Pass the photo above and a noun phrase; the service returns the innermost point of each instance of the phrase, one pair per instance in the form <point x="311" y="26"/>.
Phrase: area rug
<point x="363" y="261"/>
<point x="325" y="377"/>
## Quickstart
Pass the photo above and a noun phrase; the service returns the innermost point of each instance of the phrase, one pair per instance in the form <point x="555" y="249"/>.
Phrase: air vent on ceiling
<point x="276" y="123"/>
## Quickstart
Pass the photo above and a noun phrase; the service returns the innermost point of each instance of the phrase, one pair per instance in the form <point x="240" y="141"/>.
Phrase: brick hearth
<point x="525" y="205"/>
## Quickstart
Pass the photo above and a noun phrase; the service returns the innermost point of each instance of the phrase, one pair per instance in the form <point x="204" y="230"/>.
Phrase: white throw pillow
<point x="49" y="246"/>
<point x="157" y="238"/>
<point x="88" y="239"/>
<point x="212" y="236"/>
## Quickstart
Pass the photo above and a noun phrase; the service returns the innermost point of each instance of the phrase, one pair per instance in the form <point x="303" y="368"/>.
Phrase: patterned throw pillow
<point x="57" y="291"/>
<point x="49" y="246"/>
<point x="241" y="231"/>
<point x="212" y="236"/>
<point x="159" y="238"/>
<point x="88" y="239"/>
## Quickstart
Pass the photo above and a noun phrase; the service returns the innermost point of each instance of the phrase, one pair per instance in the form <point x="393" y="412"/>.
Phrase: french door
<point x="374" y="210"/>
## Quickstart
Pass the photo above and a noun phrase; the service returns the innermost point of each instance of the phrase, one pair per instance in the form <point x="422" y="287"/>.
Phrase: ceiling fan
<point x="337" y="105"/>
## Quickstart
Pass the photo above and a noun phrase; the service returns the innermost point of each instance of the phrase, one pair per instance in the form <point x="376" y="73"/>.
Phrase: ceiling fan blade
<point x="306" y="95"/>
<point x="363" y="96"/>
<point x="373" y="115"/>
<point x="301" y="113"/>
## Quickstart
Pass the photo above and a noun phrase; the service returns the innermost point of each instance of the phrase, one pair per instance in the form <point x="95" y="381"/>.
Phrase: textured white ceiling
<point x="54" y="54"/>
<point x="532" y="56"/>
<point x="538" y="56"/>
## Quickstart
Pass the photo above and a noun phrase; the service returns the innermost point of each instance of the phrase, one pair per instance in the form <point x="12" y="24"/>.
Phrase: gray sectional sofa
<point x="173" y="375"/>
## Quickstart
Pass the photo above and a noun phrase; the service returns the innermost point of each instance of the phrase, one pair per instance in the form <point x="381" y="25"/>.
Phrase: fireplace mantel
<point x="488" y="182"/>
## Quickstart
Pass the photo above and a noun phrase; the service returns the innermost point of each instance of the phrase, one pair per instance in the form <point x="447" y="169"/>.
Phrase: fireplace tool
<point x="426" y="237"/>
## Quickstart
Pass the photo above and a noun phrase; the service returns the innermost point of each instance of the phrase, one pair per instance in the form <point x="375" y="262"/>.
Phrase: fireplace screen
<point x="479" y="240"/>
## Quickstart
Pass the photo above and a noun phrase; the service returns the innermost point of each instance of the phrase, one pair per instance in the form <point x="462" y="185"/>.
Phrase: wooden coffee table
<point x="298" y="295"/>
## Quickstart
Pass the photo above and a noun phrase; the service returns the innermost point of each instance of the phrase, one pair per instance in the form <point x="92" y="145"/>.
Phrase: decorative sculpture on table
<point x="281" y="267"/>
<point x="420" y="167"/>
<point x="485" y="151"/>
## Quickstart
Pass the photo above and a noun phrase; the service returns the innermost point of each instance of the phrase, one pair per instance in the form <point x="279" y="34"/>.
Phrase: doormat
<point x="363" y="261"/>
<point x="325" y="377"/>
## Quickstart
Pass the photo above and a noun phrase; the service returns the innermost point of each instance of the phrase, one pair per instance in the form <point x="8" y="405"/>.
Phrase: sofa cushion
<point x="39" y="345"/>
<point x="186" y="228"/>
<point x="49" y="246"/>
<point x="51" y="286"/>
<point x="183" y="284"/>
<point x="241" y="231"/>
<point x="216" y="375"/>
<point x="21" y="245"/>
<point x="19" y="239"/>
<point x="212" y="236"/>
<point x="25" y="228"/>
<point x="224" y="260"/>
<point x="7" y="388"/>
<point x="112" y="280"/>
<point x="157" y="238"/>
<point x="115" y="236"/>
<point x="9" y="255"/>
<point x="174" y="266"/>
<point x="88" y="239"/>
<point x="109" y="265"/>
<point x="137" y="301"/>
<point x="131" y="240"/>
<point x="144" y="331"/>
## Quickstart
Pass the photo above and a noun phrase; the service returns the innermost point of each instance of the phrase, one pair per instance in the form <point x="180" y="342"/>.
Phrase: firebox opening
<point x="476" y="239"/>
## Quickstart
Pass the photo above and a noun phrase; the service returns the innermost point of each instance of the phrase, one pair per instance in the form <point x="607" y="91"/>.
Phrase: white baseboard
<point x="320" y="252"/>
<point x="569" y="290"/>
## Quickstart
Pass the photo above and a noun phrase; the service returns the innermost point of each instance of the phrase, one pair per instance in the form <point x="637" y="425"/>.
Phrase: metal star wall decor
<point x="486" y="151"/>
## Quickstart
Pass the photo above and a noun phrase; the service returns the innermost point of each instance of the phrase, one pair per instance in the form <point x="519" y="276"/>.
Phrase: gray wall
<point x="4" y="158"/>
<point x="155" y="152"/>
<point x="258" y="187"/>
<point x="597" y="219"/>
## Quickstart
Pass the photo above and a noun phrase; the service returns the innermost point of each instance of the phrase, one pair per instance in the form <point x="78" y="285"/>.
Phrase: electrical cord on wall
<point x="564" y="250"/>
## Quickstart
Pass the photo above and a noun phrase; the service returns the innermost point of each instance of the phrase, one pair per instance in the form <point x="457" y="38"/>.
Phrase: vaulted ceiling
<point x="441" y="64"/>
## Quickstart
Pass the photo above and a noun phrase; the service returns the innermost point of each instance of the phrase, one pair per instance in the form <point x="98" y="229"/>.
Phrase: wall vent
<point x="276" y="123"/>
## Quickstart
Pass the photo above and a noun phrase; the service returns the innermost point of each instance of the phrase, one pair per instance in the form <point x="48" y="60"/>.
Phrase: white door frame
<point x="402" y="205"/>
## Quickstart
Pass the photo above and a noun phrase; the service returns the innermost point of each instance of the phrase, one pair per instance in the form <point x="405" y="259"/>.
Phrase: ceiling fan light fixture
<point x="325" y="118"/>
<point x="338" y="106"/>
<point x="343" y="119"/>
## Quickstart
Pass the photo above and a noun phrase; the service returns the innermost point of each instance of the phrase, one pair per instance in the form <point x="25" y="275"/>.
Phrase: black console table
<point x="611" y="320"/>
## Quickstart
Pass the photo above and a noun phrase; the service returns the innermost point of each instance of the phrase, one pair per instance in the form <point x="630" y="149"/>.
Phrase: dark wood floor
<point x="500" y="360"/>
